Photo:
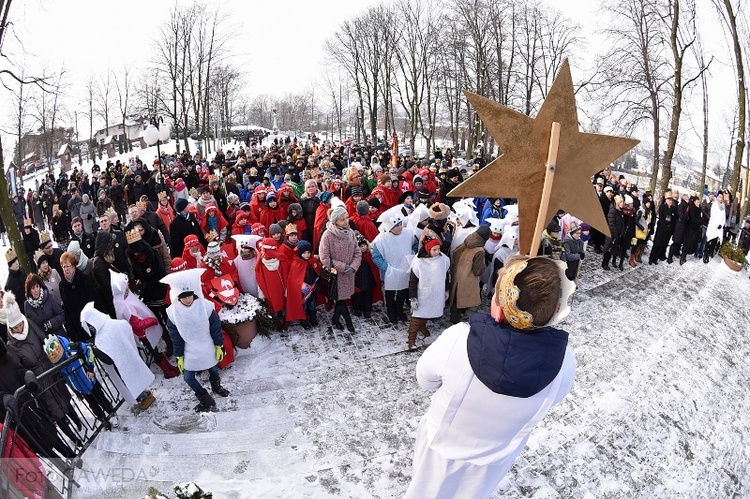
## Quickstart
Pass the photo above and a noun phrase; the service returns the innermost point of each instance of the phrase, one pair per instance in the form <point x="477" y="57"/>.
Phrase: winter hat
<point x="180" y="205"/>
<point x="295" y="206"/>
<point x="271" y="196"/>
<point x="356" y="190"/>
<point x="177" y="264"/>
<point x="423" y="193"/>
<point x="191" y="240"/>
<point x="608" y="189"/>
<point x="363" y="208"/>
<point x="374" y="202"/>
<point x="303" y="246"/>
<point x="431" y="243"/>
<point x="574" y="227"/>
<point x="325" y="196"/>
<point x="337" y="212"/>
<point x="232" y="198"/>
<point x="407" y="194"/>
<point x="439" y="211"/>
<point x="268" y="243"/>
<point x="258" y="229"/>
<point x="245" y="206"/>
<point x="75" y="248"/>
<point x="484" y="232"/>
<point x="213" y="250"/>
<point x="10" y="256"/>
<point x="100" y="192"/>
<point x="14" y="316"/>
<point x="585" y="227"/>
<point x="417" y="178"/>
<point x="554" y="226"/>
<point x="275" y="229"/>
<point x="628" y="199"/>
<point x="361" y="239"/>
<point x="53" y="348"/>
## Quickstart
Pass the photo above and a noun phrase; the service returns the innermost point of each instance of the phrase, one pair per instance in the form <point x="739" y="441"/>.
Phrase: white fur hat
<point x="13" y="312"/>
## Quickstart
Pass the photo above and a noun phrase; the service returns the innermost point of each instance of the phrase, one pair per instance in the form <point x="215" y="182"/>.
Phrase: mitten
<point x="29" y="379"/>
<point x="181" y="363"/>
<point x="10" y="404"/>
<point x="140" y="325"/>
<point x="47" y="326"/>
<point x="219" y="352"/>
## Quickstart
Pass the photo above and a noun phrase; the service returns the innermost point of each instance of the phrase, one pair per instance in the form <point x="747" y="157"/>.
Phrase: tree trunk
<point x="741" y="102"/>
<point x="666" y="166"/>
<point x="6" y="212"/>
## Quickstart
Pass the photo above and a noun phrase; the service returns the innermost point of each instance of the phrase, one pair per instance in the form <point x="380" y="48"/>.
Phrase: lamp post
<point x="157" y="132"/>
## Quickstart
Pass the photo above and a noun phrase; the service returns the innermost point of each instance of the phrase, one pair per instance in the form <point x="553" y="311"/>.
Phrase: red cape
<point x="297" y="271"/>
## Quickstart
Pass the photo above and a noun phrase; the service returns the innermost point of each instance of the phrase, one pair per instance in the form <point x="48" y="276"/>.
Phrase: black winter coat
<point x="680" y="228"/>
<point x="75" y="296"/>
<point x="49" y="316"/>
<point x="104" y="300"/>
<point x="616" y="223"/>
<point x="664" y="225"/>
<point x="16" y="283"/>
<point x="179" y="229"/>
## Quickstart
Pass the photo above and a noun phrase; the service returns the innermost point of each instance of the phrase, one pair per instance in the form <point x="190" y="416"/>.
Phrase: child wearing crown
<point x="494" y="378"/>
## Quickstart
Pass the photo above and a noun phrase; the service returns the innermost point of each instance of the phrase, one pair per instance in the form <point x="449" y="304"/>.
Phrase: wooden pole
<point x="549" y="176"/>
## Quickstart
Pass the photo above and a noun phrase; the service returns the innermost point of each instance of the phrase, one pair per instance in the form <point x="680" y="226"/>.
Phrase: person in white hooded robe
<point x="247" y="257"/>
<point x="392" y="252"/>
<point x="195" y="329"/>
<point x="467" y="221"/>
<point x="114" y="339"/>
<point x="715" y="228"/>
<point x="429" y="272"/>
<point x="494" y="378"/>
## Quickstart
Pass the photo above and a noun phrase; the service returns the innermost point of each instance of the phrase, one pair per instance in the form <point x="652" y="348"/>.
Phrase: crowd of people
<point x="144" y="254"/>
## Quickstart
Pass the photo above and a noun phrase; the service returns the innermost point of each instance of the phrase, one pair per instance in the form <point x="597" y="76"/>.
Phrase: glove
<point x="47" y="326"/>
<point x="219" y="352"/>
<point x="181" y="364"/>
<point x="10" y="404"/>
<point x="89" y="216"/>
<point x="29" y="379"/>
<point x="348" y="270"/>
<point x="90" y="354"/>
<point x="414" y="304"/>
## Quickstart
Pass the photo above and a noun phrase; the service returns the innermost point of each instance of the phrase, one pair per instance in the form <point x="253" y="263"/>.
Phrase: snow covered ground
<point x="659" y="407"/>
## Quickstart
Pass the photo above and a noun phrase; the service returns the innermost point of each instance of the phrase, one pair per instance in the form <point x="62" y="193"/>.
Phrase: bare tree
<point x="123" y="86"/>
<point x="103" y="98"/>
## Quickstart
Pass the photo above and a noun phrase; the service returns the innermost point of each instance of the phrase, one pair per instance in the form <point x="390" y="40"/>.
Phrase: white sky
<point x="279" y="44"/>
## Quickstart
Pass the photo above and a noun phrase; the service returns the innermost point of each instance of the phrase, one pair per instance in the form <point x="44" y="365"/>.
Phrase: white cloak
<point x="246" y="272"/>
<point x="127" y="304"/>
<point x="431" y="273"/>
<point x="396" y="251"/>
<point x="193" y="326"/>
<point x="717" y="219"/>
<point x="115" y="338"/>
<point x="470" y="436"/>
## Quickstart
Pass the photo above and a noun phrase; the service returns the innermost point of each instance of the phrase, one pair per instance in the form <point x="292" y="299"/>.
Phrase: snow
<point x="657" y="409"/>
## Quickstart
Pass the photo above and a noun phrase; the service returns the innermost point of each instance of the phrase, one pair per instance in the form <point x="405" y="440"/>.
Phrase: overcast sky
<point x="278" y="44"/>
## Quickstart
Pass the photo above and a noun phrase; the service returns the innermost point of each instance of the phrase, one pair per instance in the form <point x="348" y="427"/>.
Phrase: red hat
<point x="178" y="264"/>
<point x="431" y="244"/>
<point x="259" y="188"/>
<point x="268" y="243"/>
<point x="258" y="229"/>
<point x="191" y="240"/>
<point x="210" y="206"/>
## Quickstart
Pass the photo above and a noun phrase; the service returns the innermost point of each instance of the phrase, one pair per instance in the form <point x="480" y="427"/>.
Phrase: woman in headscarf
<point x="42" y="308"/>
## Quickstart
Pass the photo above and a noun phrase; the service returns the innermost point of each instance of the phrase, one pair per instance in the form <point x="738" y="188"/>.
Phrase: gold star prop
<point x="525" y="143"/>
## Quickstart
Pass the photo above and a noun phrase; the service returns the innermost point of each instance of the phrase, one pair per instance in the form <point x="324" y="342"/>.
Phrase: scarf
<point x="38" y="302"/>
<point x="214" y="263"/>
<point x="271" y="264"/>
<point x="213" y="223"/>
<point x="45" y="275"/>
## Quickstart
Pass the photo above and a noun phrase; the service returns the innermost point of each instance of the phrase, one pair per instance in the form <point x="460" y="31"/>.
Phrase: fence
<point x="40" y="456"/>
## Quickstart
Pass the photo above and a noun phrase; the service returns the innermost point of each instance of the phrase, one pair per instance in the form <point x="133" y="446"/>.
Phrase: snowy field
<point x="658" y="409"/>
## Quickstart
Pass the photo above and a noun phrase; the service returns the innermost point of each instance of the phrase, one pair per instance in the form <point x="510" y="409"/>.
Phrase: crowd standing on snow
<point x="137" y="254"/>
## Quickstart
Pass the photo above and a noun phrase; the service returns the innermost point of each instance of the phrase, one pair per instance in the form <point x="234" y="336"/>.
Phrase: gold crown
<point x="211" y="235"/>
<point x="28" y="223"/>
<point x="44" y="238"/>
<point x="37" y="255"/>
<point x="10" y="255"/>
<point x="161" y="194"/>
<point x="110" y="212"/>
<point x="133" y="236"/>
<point x="194" y="193"/>
<point x="213" y="178"/>
<point x="290" y="229"/>
<point x="141" y="205"/>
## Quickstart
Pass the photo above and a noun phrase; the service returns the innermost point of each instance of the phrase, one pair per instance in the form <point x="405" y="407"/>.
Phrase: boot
<point x="605" y="260"/>
<point x="422" y="327"/>
<point x="336" y="319"/>
<point x="639" y="252"/>
<point x="146" y="401"/>
<point x="622" y="258"/>
<point x="168" y="369"/>
<point x="314" y="321"/>
<point x="705" y="256"/>
<point x="206" y="404"/>
<point x="412" y="332"/>
<point x="631" y="260"/>
<point x="279" y="321"/>
<point x="347" y="318"/>
<point x="218" y="389"/>
<point x="683" y="258"/>
<point x="306" y="325"/>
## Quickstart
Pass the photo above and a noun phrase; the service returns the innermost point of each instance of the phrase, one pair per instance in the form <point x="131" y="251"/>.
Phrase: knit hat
<point x="423" y="193"/>
<point x="325" y="196"/>
<point x="363" y="208"/>
<point x="374" y="202"/>
<point x="275" y="229"/>
<point x="213" y="249"/>
<point x="439" y="211"/>
<point x="14" y="316"/>
<point x="585" y="227"/>
<point x="417" y="178"/>
<point x="337" y="212"/>
<point x="484" y="232"/>
<point x="177" y="264"/>
<point x="10" y="256"/>
<point x="574" y="227"/>
<point x="361" y="239"/>
<point x="258" y="229"/>
<point x="191" y="240"/>
<point x="554" y="226"/>
<point x="432" y="243"/>
<point x="294" y="206"/>
<point x="356" y="190"/>
<point x="407" y="194"/>
<point x="180" y="205"/>
<point x="303" y="246"/>
<point x="75" y="248"/>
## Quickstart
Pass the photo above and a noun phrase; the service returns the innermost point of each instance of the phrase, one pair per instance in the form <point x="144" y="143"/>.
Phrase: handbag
<point x="641" y="233"/>
<point x="328" y="284"/>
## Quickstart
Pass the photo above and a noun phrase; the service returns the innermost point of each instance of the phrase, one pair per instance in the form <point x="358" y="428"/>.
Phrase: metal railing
<point x="40" y="455"/>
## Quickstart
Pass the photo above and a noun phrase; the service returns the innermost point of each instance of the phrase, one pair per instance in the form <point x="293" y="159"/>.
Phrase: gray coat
<point x="87" y="212"/>
<point x="339" y="246"/>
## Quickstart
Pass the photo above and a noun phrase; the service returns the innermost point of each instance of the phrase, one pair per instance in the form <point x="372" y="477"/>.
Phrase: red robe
<point x="365" y="226"/>
<point x="269" y="216"/>
<point x="377" y="291"/>
<point x="297" y="271"/>
<point x="321" y="216"/>
<point x="273" y="282"/>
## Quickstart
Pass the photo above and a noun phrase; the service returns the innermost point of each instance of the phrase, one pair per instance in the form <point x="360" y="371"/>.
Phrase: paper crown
<point x="211" y="235"/>
<point x="213" y="178"/>
<point x="161" y="195"/>
<point x="290" y="229"/>
<point x="37" y="255"/>
<point x="133" y="236"/>
<point x="10" y="256"/>
<point x="44" y="239"/>
<point x="141" y="205"/>
<point x="110" y="212"/>
<point x="28" y="223"/>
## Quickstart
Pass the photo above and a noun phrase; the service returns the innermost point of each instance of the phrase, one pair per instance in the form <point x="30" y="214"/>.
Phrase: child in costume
<point x="145" y="325"/>
<point x="271" y="273"/>
<point x="245" y="262"/>
<point x="303" y="276"/>
<point x="511" y="362"/>
<point x="429" y="272"/>
<point x="367" y="283"/>
<point x="195" y="329"/>
<point x="115" y="340"/>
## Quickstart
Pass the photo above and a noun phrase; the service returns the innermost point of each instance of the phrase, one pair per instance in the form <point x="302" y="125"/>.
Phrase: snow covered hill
<point x="658" y="408"/>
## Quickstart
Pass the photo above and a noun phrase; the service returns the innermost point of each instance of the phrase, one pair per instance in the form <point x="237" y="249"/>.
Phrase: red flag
<point x="394" y="150"/>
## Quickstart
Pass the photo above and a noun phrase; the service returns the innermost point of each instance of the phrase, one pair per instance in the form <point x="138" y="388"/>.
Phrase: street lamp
<point x="155" y="133"/>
